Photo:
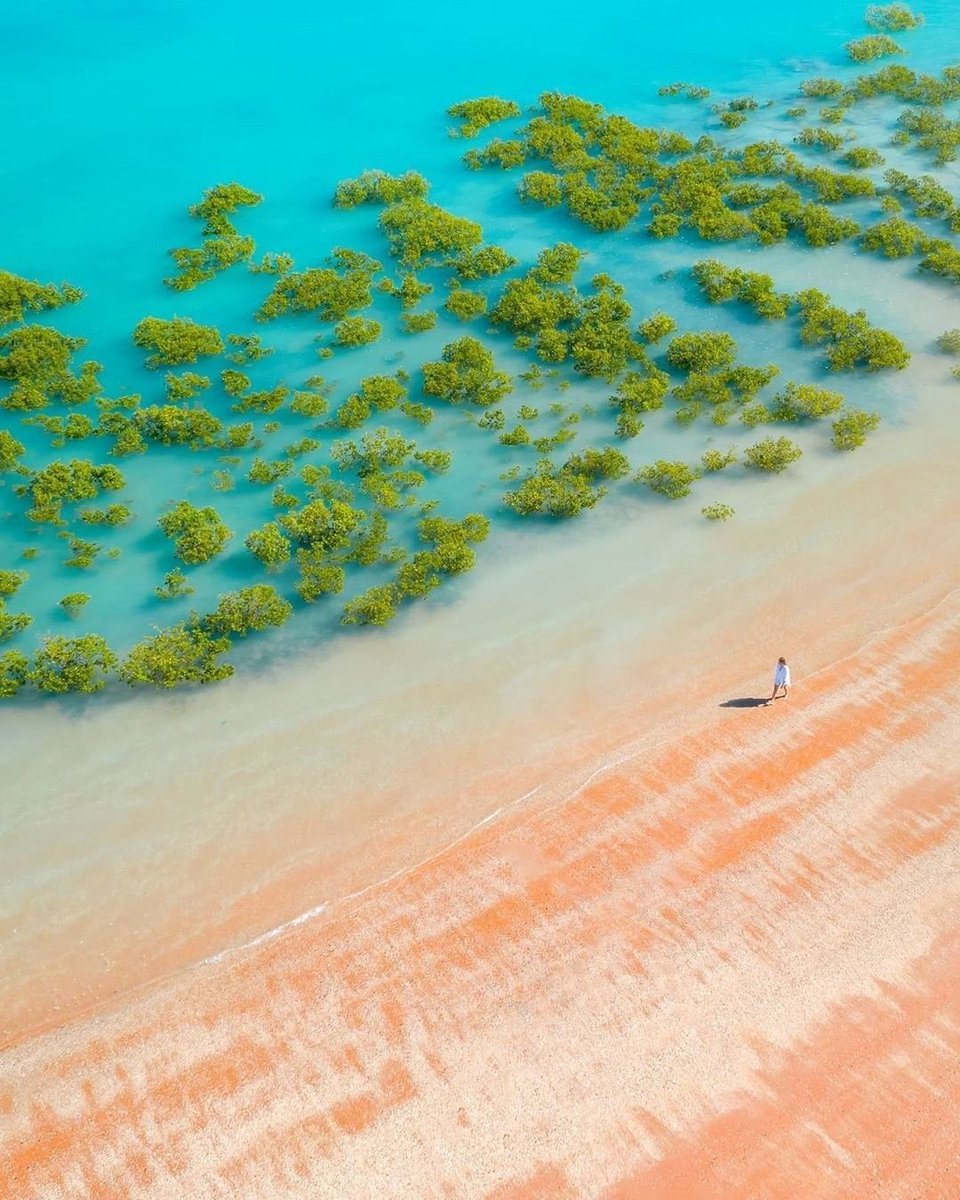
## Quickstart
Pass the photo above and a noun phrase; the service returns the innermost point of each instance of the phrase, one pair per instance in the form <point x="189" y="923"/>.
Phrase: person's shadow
<point x="745" y="702"/>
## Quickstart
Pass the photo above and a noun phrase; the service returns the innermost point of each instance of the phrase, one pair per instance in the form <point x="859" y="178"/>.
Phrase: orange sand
<point x="723" y="968"/>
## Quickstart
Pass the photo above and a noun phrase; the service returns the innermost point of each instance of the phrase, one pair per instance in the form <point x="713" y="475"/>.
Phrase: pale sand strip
<point x="725" y="968"/>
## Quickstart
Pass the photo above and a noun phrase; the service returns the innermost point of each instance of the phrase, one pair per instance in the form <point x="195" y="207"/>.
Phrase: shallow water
<point x="143" y="832"/>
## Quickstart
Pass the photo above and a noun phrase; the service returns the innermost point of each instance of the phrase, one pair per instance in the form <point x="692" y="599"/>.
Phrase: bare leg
<point x="785" y="689"/>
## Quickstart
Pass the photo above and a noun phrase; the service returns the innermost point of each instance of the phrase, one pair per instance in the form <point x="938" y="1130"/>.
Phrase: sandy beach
<point x="714" y="956"/>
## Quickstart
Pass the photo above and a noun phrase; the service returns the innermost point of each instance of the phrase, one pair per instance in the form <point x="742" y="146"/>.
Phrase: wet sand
<point x="724" y="967"/>
<point x="666" y="943"/>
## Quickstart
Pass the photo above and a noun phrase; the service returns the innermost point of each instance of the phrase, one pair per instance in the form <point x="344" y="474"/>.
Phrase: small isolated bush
<point x="11" y="582"/>
<point x="949" y="341"/>
<point x="718" y="512"/>
<point x="671" y="479"/>
<point x="805" y="402"/>
<point x="199" y="534"/>
<point x="892" y="18"/>
<point x="73" y="602"/>
<point x="821" y="88"/>
<point x="772" y="454"/>
<point x="863" y="156"/>
<point x="658" y="325"/>
<point x="875" y="45"/>
<point x="356" y="331"/>
<point x="518" y="436"/>
<point x="269" y="545"/>
<point x="465" y="304"/>
<point x="478" y="114"/>
<point x="850" y="429"/>
<point x="12" y="623"/>
<point x="174" y="586"/>
<point x="421" y="322"/>
<point x="718" y="460"/>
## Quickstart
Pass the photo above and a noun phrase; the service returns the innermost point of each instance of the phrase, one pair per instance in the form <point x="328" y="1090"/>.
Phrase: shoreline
<point x="826" y="566"/>
<point x="677" y="962"/>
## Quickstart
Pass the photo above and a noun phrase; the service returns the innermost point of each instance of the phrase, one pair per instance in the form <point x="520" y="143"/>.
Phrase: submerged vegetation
<point x="328" y="487"/>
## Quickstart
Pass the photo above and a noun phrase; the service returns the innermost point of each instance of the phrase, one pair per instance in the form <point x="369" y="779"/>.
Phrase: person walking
<point x="781" y="679"/>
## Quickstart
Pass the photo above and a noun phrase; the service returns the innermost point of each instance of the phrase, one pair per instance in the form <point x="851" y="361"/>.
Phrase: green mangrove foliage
<point x="380" y="393"/>
<point x="849" y="338"/>
<point x="249" y="610"/>
<point x="198" y="533"/>
<point x="771" y="454"/>
<point x="409" y="291"/>
<point x="176" y="341"/>
<point x="688" y="91"/>
<point x="466" y="374"/>
<point x="333" y="292"/>
<point x="10" y="451"/>
<point x="12" y="623"/>
<point x="717" y="460"/>
<point x="35" y="359"/>
<point x="637" y="394"/>
<point x="478" y="114"/>
<point x="19" y="296"/>
<point x="423" y="234"/>
<point x="555" y="491"/>
<point x="701" y="352"/>
<point x="718" y="512"/>
<point x="269" y="545"/>
<point x="805" y="402"/>
<point x="656" y="327"/>
<point x="222" y="246"/>
<point x="173" y="426"/>
<point x="720" y="283"/>
<point x="248" y="347"/>
<point x="183" y="654"/>
<point x="60" y="483"/>
<point x="851" y="428"/>
<point x="356" y="331"/>
<point x="861" y="157"/>
<point x="873" y="46"/>
<point x="74" y="603"/>
<point x="483" y="262"/>
<point x="669" y="478"/>
<point x="465" y="304"/>
<point x="11" y="582"/>
<point x="377" y="187"/>
<point x="174" y="586"/>
<point x="892" y="18"/>
<point x="896" y="238"/>
<point x="185" y="386"/>
<point x="328" y="520"/>
<point x="930" y="131"/>
<point x="14" y="673"/>
<point x="63" y="664"/>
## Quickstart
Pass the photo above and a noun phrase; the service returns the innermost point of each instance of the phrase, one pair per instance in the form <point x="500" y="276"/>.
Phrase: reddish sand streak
<point x="727" y="970"/>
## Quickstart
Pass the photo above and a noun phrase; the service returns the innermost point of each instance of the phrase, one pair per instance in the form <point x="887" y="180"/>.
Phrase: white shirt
<point x="781" y="676"/>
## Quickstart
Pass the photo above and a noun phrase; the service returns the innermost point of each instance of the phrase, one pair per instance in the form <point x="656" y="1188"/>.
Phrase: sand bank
<point x="724" y="967"/>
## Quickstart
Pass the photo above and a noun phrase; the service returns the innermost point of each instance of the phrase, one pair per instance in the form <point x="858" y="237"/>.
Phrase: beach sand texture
<point x="726" y="967"/>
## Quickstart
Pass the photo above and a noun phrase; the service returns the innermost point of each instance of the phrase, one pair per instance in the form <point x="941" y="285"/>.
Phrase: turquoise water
<point x="129" y="112"/>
